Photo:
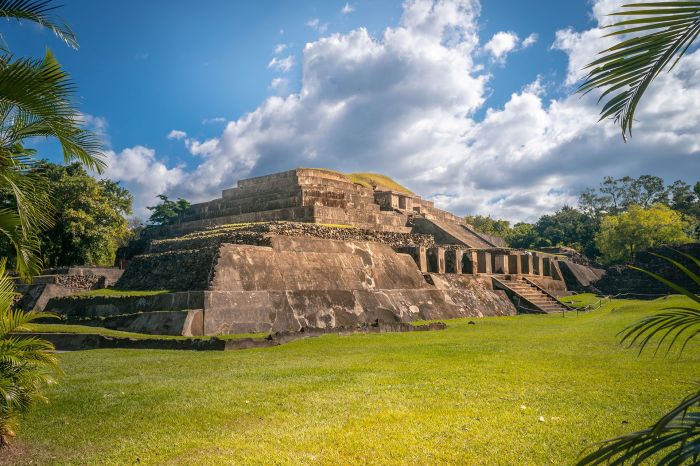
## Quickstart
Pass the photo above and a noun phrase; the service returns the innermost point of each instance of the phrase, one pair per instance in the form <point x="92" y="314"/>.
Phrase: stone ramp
<point x="528" y="296"/>
<point x="448" y="232"/>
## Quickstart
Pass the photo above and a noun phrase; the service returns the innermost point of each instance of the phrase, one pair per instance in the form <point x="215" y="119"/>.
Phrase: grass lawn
<point x="530" y="389"/>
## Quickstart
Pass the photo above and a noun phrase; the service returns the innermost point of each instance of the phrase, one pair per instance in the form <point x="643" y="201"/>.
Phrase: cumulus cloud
<point x="279" y="86"/>
<point x="138" y="169"/>
<point x="502" y="43"/>
<point x="347" y="9"/>
<point x="530" y="40"/>
<point x="281" y="64"/>
<point x="176" y="134"/>
<point x="279" y="48"/>
<point x="405" y="103"/>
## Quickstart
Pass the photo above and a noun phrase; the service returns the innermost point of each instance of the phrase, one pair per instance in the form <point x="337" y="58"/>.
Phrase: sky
<point x="469" y="104"/>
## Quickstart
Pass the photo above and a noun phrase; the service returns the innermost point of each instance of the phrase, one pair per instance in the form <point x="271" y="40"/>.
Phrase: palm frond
<point x="626" y="70"/>
<point x="27" y="364"/>
<point x="675" y="324"/>
<point x="41" y="92"/>
<point x="39" y="12"/>
<point x="673" y="440"/>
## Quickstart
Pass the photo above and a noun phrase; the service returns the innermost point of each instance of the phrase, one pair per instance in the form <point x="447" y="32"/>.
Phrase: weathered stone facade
<point x="310" y="249"/>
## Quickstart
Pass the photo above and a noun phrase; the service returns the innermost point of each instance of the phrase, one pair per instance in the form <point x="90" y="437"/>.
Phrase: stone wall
<point x="475" y="294"/>
<point x="161" y="266"/>
<point x="306" y="282"/>
<point x="79" y="308"/>
<point x="631" y="283"/>
<point x="184" y="270"/>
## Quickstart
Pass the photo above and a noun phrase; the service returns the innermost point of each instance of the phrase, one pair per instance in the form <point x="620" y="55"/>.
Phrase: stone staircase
<point x="529" y="296"/>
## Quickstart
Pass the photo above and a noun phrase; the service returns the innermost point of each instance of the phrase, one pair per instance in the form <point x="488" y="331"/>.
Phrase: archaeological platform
<point x="316" y="249"/>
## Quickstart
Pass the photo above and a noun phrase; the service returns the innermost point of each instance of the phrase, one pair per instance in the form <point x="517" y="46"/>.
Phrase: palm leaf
<point x="626" y="70"/>
<point x="40" y="92"/>
<point x="38" y="11"/>
<point x="673" y="440"/>
<point x="26" y="363"/>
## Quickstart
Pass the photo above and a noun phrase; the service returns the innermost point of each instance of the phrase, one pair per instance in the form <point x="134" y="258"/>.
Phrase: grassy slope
<point x="472" y="394"/>
<point x="375" y="179"/>
<point x="371" y="180"/>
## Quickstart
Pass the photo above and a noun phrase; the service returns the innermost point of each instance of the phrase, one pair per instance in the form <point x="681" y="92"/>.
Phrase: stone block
<point x="469" y="262"/>
<point x="537" y="264"/>
<point x="514" y="264"/>
<point x="500" y="264"/>
<point x="453" y="261"/>
<point x="419" y="255"/>
<point x="483" y="262"/>
<point x="546" y="267"/>
<point x="436" y="260"/>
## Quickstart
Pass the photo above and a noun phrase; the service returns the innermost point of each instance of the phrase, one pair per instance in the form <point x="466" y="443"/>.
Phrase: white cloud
<point x="530" y="40"/>
<point x="176" y="134"/>
<point x="316" y="25"/>
<point x="138" y="169"/>
<point x="214" y="120"/>
<point x="279" y="48"/>
<point x="283" y="64"/>
<point x="201" y="148"/>
<point x="501" y="44"/>
<point x="279" y="86"/>
<point x="504" y="42"/>
<point x="347" y="9"/>
<point x="404" y="104"/>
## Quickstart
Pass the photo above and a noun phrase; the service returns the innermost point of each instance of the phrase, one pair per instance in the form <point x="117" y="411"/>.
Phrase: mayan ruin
<point x="311" y="249"/>
<point x="349" y="232"/>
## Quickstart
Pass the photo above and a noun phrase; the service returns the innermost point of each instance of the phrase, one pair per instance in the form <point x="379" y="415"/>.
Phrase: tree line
<point x="612" y="222"/>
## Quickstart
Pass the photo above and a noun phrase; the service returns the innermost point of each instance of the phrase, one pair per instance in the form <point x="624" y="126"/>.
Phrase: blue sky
<point x="145" y="69"/>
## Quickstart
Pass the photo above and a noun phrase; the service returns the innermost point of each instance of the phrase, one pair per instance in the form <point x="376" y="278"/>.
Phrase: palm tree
<point x="661" y="34"/>
<point x="625" y="70"/>
<point x="26" y="364"/>
<point x="675" y="438"/>
<point x="36" y="100"/>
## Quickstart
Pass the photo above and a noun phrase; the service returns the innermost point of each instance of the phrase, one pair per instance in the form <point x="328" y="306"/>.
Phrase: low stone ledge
<point x="89" y="341"/>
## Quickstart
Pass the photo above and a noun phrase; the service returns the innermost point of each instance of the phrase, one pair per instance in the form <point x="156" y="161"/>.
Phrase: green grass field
<point x="508" y="390"/>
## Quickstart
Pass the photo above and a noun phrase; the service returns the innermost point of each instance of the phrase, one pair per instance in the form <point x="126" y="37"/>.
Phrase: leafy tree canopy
<point x="622" y="236"/>
<point x="486" y="224"/>
<point x="167" y="211"/>
<point x="89" y="216"/>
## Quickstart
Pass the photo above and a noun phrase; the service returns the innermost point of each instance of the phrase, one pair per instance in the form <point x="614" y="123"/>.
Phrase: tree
<point x="524" y="236"/>
<point x="90" y="217"/>
<point x="622" y="236"/>
<point x="36" y="100"/>
<point x="626" y="69"/>
<point x="167" y="211"/>
<point x="488" y="225"/>
<point x="26" y="364"/>
<point x="569" y="227"/>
